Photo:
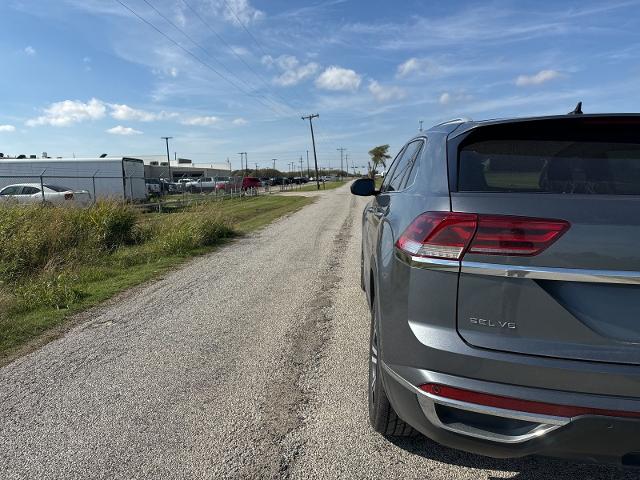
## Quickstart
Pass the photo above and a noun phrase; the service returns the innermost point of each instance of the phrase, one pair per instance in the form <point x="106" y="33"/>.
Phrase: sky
<point x="87" y="77"/>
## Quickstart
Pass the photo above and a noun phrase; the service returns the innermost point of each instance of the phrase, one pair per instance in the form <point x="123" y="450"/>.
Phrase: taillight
<point x="505" y="235"/>
<point x="439" y="235"/>
<point x="449" y="235"/>
<point x="510" y="403"/>
<point x="68" y="196"/>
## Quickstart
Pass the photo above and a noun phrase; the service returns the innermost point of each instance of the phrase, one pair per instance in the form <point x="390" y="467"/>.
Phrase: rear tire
<point x="382" y="416"/>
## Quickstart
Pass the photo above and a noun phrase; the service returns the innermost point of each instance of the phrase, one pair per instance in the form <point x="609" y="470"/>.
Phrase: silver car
<point x="501" y="262"/>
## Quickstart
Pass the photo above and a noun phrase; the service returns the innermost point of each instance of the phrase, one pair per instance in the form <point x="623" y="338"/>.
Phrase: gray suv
<point x="501" y="261"/>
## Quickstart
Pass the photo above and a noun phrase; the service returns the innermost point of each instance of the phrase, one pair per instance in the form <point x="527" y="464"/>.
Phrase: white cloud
<point x="29" y="50"/>
<point x="203" y="121"/>
<point x="67" y="112"/>
<point x="293" y="72"/>
<point x="541" y="77"/>
<point x="239" y="121"/>
<point x="7" y="128"/>
<point x="173" y="71"/>
<point x="338" y="79"/>
<point x="241" y="9"/>
<point x="384" y="93"/>
<point x="120" y="130"/>
<point x="240" y="50"/>
<point x="447" y="97"/>
<point x="125" y="112"/>
<point x="410" y="66"/>
<point x="427" y="66"/>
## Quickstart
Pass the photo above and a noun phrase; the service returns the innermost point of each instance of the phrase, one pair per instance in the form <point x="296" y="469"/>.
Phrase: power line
<point x="239" y="57"/>
<point x="197" y="44"/>
<point x="245" y="28"/>
<point x="198" y="59"/>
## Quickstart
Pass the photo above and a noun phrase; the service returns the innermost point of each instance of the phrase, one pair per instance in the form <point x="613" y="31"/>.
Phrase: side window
<point x="404" y="165"/>
<point x="389" y="174"/>
<point x="14" y="190"/>
<point x="30" y="190"/>
<point x="412" y="170"/>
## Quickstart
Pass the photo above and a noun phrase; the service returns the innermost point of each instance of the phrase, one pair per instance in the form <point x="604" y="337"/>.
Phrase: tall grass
<point x="42" y="247"/>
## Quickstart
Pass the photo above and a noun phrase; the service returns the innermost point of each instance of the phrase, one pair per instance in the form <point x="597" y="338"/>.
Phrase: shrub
<point x="181" y="232"/>
<point x="35" y="236"/>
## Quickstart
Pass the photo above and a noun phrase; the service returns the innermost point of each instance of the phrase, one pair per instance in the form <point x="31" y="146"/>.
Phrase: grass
<point x="56" y="262"/>
<point x="312" y="187"/>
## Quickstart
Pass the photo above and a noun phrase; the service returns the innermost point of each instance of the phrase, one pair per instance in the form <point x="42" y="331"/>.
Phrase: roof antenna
<point x="577" y="110"/>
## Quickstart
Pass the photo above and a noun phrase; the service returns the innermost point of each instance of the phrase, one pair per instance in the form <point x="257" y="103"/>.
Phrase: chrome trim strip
<point x="551" y="273"/>
<point x="428" y="263"/>
<point x="546" y="423"/>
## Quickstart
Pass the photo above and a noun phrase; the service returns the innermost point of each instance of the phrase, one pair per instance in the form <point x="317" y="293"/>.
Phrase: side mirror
<point x="364" y="187"/>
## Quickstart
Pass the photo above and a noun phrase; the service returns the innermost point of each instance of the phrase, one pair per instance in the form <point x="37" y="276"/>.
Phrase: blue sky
<point x="87" y="76"/>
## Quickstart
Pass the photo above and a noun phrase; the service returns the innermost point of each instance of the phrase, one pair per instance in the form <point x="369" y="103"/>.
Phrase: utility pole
<point x="313" y="140"/>
<point x="346" y="162"/>
<point x="243" y="166"/>
<point x="166" y="139"/>
<point x="256" y="169"/>
<point x="308" y="171"/>
<point x="420" y="125"/>
<point x="341" y="150"/>
<point x="301" y="173"/>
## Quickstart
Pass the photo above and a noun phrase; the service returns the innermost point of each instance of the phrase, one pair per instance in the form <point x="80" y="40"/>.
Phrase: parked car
<point x="500" y="261"/>
<point x="250" y="182"/>
<point x="183" y="183"/>
<point x="153" y="186"/>
<point x="228" y="184"/>
<point x="26" y="193"/>
<point x="203" y="184"/>
<point x="278" y="181"/>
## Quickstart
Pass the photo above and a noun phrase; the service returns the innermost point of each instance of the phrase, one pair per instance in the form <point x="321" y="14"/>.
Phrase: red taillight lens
<point x="504" y="235"/>
<point x="439" y="235"/>
<point x="509" y="403"/>
<point x="449" y="235"/>
<point x="68" y="196"/>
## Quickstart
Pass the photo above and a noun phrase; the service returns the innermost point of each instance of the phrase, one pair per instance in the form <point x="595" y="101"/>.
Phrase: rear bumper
<point x="489" y="432"/>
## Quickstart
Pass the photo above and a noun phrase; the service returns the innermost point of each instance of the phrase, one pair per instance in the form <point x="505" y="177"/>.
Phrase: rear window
<point x="550" y="166"/>
<point x="57" y="188"/>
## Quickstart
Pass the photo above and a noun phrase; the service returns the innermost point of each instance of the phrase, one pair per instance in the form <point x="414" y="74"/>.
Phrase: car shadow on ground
<point x="527" y="468"/>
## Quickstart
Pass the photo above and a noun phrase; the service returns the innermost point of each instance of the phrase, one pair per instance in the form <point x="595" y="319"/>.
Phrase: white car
<point x="25" y="193"/>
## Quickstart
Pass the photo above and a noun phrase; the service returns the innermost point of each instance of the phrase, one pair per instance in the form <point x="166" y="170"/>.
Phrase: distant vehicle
<point x="204" y="184"/>
<point x="153" y="187"/>
<point x="184" y="183"/>
<point x="250" y="182"/>
<point x="109" y="177"/>
<point x="168" y="186"/>
<point x="33" y="193"/>
<point x="278" y="181"/>
<point x="300" y="180"/>
<point x="228" y="184"/>
<point x="264" y="181"/>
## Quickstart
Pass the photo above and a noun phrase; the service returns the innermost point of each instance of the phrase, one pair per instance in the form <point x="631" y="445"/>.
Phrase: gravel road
<point x="246" y="363"/>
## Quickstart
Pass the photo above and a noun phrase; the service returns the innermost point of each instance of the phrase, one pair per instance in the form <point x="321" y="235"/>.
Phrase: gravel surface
<point x="246" y="363"/>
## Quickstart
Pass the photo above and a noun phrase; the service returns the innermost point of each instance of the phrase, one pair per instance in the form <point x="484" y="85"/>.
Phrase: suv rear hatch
<point x="579" y="297"/>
